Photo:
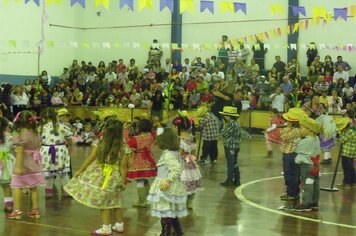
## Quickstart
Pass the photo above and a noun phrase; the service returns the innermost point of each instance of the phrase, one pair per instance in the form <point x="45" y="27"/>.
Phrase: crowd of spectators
<point x="177" y="85"/>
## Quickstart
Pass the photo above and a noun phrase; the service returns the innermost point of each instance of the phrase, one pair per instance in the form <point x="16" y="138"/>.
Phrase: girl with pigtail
<point x="6" y="163"/>
<point x="191" y="175"/>
<point x="55" y="155"/>
<point x="27" y="171"/>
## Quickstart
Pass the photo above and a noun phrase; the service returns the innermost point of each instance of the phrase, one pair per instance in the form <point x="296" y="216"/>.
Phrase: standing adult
<point x="312" y="52"/>
<point x="259" y="52"/>
<point x="157" y="104"/>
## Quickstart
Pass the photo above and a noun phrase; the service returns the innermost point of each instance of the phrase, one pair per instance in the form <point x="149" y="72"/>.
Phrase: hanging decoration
<point x="227" y="6"/>
<point x="36" y="1"/>
<point x="240" y="6"/>
<point x="128" y="3"/>
<point x="145" y="4"/>
<point x="80" y="2"/>
<point x="104" y="3"/>
<point x="340" y="12"/>
<point x="277" y="9"/>
<point x="207" y="5"/>
<point x="186" y="5"/>
<point x="166" y="3"/>
<point x="298" y="10"/>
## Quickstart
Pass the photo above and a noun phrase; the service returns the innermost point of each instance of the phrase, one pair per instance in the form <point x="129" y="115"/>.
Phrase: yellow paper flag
<point x="145" y="3"/>
<point x="353" y="12"/>
<point x="296" y="27"/>
<point x="105" y="3"/>
<point x="319" y="12"/>
<point x="16" y="1"/>
<point x="186" y="5"/>
<point x="175" y="46"/>
<point x="277" y="9"/>
<point x="11" y="43"/>
<point x="49" y="2"/>
<point x="50" y="44"/>
<point x="85" y="45"/>
<point x="227" y="6"/>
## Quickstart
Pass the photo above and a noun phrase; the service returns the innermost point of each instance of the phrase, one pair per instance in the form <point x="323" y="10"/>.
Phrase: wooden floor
<point x="217" y="210"/>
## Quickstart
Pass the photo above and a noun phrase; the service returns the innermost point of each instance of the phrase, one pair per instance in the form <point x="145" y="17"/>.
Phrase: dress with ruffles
<point x="99" y="186"/>
<point x="54" y="152"/>
<point x="274" y="135"/>
<point x="6" y="160"/>
<point x="31" y="174"/>
<point x="191" y="175"/>
<point x="142" y="165"/>
<point x="172" y="202"/>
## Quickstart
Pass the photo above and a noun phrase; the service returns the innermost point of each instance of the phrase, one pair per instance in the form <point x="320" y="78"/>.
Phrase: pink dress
<point x="274" y="135"/>
<point x="31" y="175"/>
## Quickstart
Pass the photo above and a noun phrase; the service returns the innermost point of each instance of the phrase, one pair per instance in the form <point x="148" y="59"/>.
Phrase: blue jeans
<point x="291" y="174"/>
<point x="349" y="170"/>
<point x="233" y="171"/>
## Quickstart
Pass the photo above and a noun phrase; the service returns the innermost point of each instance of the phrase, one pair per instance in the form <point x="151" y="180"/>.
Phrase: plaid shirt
<point x="289" y="136"/>
<point x="232" y="135"/>
<point x="348" y="139"/>
<point x="209" y="127"/>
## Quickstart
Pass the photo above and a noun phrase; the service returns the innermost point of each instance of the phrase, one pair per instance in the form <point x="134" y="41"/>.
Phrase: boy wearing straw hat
<point x="348" y="153"/>
<point x="231" y="139"/>
<point x="308" y="156"/>
<point x="291" y="171"/>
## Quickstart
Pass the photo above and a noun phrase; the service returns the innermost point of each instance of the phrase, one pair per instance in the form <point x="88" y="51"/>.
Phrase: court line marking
<point x="240" y="196"/>
<point x="50" y="226"/>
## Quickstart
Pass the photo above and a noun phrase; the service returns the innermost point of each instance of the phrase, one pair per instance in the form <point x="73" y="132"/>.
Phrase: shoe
<point x="118" y="228"/>
<point x="105" y="230"/>
<point x="15" y="215"/>
<point x="326" y="162"/>
<point x="269" y="154"/>
<point x="236" y="183"/>
<point x="34" y="213"/>
<point x="286" y="208"/>
<point x="227" y="183"/>
<point x="302" y="208"/>
<point x="8" y="206"/>
<point x="213" y="162"/>
<point x="314" y="207"/>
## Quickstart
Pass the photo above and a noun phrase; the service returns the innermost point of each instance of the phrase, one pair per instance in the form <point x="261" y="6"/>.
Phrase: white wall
<point x="22" y="23"/>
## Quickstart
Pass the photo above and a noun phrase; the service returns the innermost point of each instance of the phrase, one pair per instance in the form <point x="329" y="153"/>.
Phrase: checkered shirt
<point x="232" y="135"/>
<point x="348" y="139"/>
<point x="209" y="127"/>
<point x="289" y="136"/>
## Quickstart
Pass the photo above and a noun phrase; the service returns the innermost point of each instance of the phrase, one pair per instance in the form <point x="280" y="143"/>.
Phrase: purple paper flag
<point x="207" y="5"/>
<point x="240" y="6"/>
<point x="340" y="12"/>
<point x="129" y="3"/>
<point x="36" y="1"/>
<point x="298" y="9"/>
<point x="166" y="3"/>
<point x="81" y="2"/>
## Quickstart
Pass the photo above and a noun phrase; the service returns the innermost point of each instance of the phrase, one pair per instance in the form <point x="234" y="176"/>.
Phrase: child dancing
<point x="101" y="178"/>
<point x="27" y="172"/>
<point x="168" y="193"/>
<point x="272" y="134"/>
<point x="6" y="163"/>
<point x="55" y="155"/>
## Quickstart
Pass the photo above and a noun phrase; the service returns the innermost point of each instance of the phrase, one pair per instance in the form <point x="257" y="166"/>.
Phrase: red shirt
<point x="121" y="68"/>
<point x="190" y="85"/>
<point x="207" y="98"/>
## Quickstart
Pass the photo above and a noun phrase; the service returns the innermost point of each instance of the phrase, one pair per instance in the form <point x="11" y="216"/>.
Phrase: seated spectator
<point x="321" y="85"/>
<point x="263" y="84"/>
<point x="191" y="84"/>
<point x="174" y="75"/>
<point x="110" y="76"/>
<point x="87" y="135"/>
<point x="239" y="68"/>
<point x="264" y="101"/>
<point x="78" y="124"/>
<point x="137" y="85"/>
<point x="77" y="98"/>
<point x="255" y="67"/>
<point x="132" y="74"/>
<point x="313" y="107"/>
<point x="101" y="70"/>
<point x="135" y="96"/>
<point x="335" y="102"/>
<point x="146" y="102"/>
<point x="278" y="100"/>
<point x="328" y="66"/>
<point x="286" y="86"/>
<point x="194" y="99"/>
<point x="347" y="93"/>
<point x="177" y="66"/>
<point x="273" y="73"/>
<point x="318" y="65"/>
<point x="176" y="100"/>
<point x="207" y="97"/>
<point x="184" y="75"/>
<point x="340" y="74"/>
<point x="197" y="63"/>
<point x="128" y="85"/>
<point x="312" y="75"/>
<point x="162" y="75"/>
<point x="56" y="100"/>
<point x="328" y="78"/>
<point x="323" y="99"/>
<point x="65" y="75"/>
<point x="344" y="64"/>
<point x="280" y="67"/>
<point x="150" y="74"/>
<point x="217" y="76"/>
<point x="90" y="68"/>
<point x="202" y="86"/>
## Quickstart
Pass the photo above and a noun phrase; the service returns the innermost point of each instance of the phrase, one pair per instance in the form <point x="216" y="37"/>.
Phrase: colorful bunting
<point x="207" y="5"/>
<point x="319" y="12"/>
<point x="175" y="46"/>
<point x="340" y="12"/>
<point x="80" y="2"/>
<point x="353" y="11"/>
<point x="145" y="3"/>
<point x="277" y="9"/>
<point x="298" y="9"/>
<point x="128" y="3"/>
<point x="16" y="1"/>
<point x="227" y="6"/>
<point x="186" y="5"/>
<point x="36" y="1"/>
<point x="104" y="3"/>
<point x="166" y="3"/>
<point x="240" y="6"/>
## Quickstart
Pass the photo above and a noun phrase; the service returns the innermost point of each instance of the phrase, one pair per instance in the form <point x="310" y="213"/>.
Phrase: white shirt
<point x="344" y="75"/>
<point x="110" y="77"/>
<point x="206" y="77"/>
<point x="19" y="100"/>
<point x="349" y="92"/>
<point x="278" y="102"/>
<point x="218" y="76"/>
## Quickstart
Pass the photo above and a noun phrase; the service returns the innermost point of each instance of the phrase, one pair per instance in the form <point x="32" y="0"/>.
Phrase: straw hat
<point x="295" y="114"/>
<point x="103" y="114"/>
<point x="183" y="113"/>
<point x="342" y="122"/>
<point x="63" y="112"/>
<point x="310" y="124"/>
<point x="229" y="111"/>
<point x="202" y="111"/>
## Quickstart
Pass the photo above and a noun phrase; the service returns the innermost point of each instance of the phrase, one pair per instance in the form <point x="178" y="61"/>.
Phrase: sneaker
<point x="286" y="208"/>
<point x="227" y="183"/>
<point x="105" y="230"/>
<point x="213" y="162"/>
<point x="118" y="227"/>
<point x="326" y="162"/>
<point x="302" y="208"/>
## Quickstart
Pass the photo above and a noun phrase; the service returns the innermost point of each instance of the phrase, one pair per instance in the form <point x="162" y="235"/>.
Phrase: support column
<point x="176" y="30"/>
<point x="292" y="38"/>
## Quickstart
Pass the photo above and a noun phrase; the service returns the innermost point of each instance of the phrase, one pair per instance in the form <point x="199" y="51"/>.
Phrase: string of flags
<point x="190" y="5"/>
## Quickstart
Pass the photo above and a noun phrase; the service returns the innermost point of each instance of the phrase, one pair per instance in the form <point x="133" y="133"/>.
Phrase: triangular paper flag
<point x="175" y="46"/>
<point x="56" y="2"/>
<point x="227" y="6"/>
<point x="104" y="3"/>
<point x="186" y="5"/>
<point x="145" y="4"/>
<point x="277" y="9"/>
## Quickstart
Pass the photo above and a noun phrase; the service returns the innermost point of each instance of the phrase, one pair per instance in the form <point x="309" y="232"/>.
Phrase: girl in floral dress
<point x="55" y="155"/>
<point x="272" y="134"/>
<point x="27" y="172"/>
<point x="168" y="194"/>
<point x="142" y="166"/>
<point x="191" y="175"/>
<point x="6" y="163"/>
<point x="101" y="178"/>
